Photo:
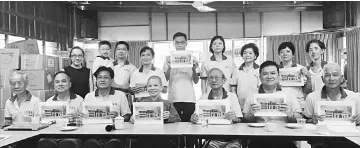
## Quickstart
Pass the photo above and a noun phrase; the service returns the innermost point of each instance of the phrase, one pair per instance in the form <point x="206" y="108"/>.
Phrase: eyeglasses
<point x="214" y="78"/>
<point x="183" y="42"/>
<point x="77" y="56"/>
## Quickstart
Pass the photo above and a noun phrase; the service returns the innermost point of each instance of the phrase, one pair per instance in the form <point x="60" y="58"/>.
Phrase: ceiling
<point x="221" y="6"/>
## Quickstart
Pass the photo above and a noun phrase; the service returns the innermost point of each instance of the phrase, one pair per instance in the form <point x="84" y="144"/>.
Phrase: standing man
<point x="181" y="90"/>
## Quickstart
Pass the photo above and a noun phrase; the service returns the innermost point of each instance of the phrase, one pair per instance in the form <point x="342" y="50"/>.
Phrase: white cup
<point x="119" y="123"/>
<point x="271" y="127"/>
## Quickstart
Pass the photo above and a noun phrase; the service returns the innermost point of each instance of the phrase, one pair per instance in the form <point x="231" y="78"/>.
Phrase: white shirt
<point x="28" y="108"/>
<point x="226" y="65"/>
<point x="140" y="77"/>
<point x="122" y="73"/>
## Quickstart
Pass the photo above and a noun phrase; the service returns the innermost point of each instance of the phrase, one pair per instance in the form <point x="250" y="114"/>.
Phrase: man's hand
<point x="131" y="119"/>
<point x="283" y="107"/>
<point x="231" y="115"/>
<point x="317" y="118"/>
<point x="356" y="119"/>
<point x="168" y="61"/>
<point x="306" y="73"/>
<point x="166" y="114"/>
<point x="255" y="108"/>
<point x="113" y="114"/>
<point x="194" y="118"/>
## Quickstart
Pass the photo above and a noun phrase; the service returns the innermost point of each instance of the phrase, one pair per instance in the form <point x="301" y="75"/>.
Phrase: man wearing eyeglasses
<point x="181" y="90"/>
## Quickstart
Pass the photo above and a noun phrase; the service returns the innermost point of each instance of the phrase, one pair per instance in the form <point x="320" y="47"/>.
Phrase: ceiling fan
<point x="199" y="5"/>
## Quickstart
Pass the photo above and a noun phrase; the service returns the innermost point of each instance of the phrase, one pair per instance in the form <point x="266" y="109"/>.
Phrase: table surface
<point x="129" y="129"/>
<point x="242" y="129"/>
<point x="180" y="128"/>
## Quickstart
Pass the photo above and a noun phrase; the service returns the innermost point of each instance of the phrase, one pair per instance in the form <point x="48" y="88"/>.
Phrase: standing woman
<point x="80" y="76"/>
<point x="286" y="51"/>
<point x="139" y="78"/>
<point x="217" y="60"/>
<point x="245" y="79"/>
<point x="315" y="49"/>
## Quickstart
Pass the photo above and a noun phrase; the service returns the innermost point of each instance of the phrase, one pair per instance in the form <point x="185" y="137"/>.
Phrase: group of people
<point x="116" y="79"/>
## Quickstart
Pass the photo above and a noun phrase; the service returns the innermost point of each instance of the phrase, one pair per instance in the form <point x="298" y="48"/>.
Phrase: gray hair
<point x="331" y="65"/>
<point x="18" y="72"/>
<point x="217" y="69"/>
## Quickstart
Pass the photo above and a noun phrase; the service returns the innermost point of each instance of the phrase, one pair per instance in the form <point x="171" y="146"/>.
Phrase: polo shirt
<point x="293" y="106"/>
<point x="28" y="108"/>
<point x="118" y="99"/>
<point x="230" y="97"/>
<point x="226" y="65"/>
<point x="181" y="83"/>
<point x="102" y="61"/>
<point x="321" y="95"/>
<point x="140" y="77"/>
<point x="296" y="90"/>
<point x="122" y="73"/>
<point x="73" y="105"/>
<point x="316" y="77"/>
<point x="167" y="106"/>
<point x="246" y="82"/>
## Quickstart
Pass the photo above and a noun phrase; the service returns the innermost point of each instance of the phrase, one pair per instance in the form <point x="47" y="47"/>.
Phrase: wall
<point x="161" y="26"/>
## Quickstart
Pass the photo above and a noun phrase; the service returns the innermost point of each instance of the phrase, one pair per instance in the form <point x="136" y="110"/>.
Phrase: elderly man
<point x="269" y="76"/>
<point x="331" y="91"/>
<point x="23" y="107"/>
<point x="104" y="92"/>
<point x="216" y="79"/>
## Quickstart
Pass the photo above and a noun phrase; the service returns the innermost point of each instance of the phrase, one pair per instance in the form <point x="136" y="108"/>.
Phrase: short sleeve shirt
<point x="102" y="61"/>
<point x="246" y="82"/>
<point x="140" y="77"/>
<point x="122" y="73"/>
<point x="293" y="106"/>
<point x="321" y="95"/>
<point x="316" y="77"/>
<point x="73" y="105"/>
<point x="118" y="99"/>
<point x="181" y="84"/>
<point x="226" y="65"/>
<point x="231" y="97"/>
<point x="28" y="108"/>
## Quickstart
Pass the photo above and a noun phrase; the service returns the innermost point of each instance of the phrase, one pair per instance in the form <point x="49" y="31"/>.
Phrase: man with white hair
<point x="331" y="91"/>
<point x="23" y="106"/>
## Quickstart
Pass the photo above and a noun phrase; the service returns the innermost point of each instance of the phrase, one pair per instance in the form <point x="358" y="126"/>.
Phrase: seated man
<point x="23" y="107"/>
<point x="332" y="91"/>
<point x="170" y="115"/>
<point x="62" y="84"/>
<point x="216" y="79"/>
<point x="269" y="76"/>
<point x="104" y="92"/>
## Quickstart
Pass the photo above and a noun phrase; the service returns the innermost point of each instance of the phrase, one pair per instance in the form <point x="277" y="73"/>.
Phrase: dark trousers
<point x="154" y="142"/>
<point x="263" y="143"/>
<point x="185" y="110"/>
